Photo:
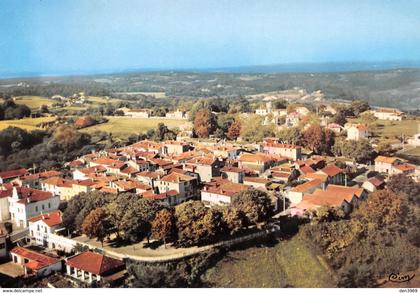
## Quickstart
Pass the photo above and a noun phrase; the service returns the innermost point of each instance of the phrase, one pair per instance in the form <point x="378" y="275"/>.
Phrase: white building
<point x="357" y="132"/>
<point x="42" y="226"/>
<point x="35" y="263"/>
<point x="26" y="203"/>
<point x="388" y="114"/>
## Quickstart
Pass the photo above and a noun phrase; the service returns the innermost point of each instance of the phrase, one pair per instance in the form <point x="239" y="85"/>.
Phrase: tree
<point x="234" y="219"/>
<point x="135" y="223"/>
<point x="318" y="140"/>
<point x="97" y="225"/>
<point x="204" y="123"/>
<point x="234" y="130"/>
<point x="340" y="118"/>
<point x="313" y="137"/>
<point x="197" y="224"/>
<point x="163" y="225"/>
<point x="382" y="208"/>
<point x="291" y="135"/>
<point x="254" y="204"/>
<point x="358" y="107"/>
<point x="405" y="186"/>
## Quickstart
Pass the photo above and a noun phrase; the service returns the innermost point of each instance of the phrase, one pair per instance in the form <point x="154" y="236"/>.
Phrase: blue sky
<point x="58" y="36"/>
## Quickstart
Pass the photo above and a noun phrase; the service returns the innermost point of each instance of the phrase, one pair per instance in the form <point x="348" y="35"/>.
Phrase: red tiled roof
<point x="13" y="173"/>
<point x="176" y="177"/>
<point x="232" y="169"/>
<point x="109" y="162"/>
<point x="50" y="219"/>
<point x="306" y="169"/>
<point x="204" y="160"/>
<point x="95" y="263"/>
<point x="307" y="185"/>
<point x="158" y="196"/>
<point x="29" y="195"/>
<point x="331" y="170"/>
<point x="37" y="260"/>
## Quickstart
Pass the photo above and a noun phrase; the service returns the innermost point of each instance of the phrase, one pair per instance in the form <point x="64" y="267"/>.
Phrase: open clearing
<point x="386" y="129"/>
<point x="125" y="126"/>
<point x="288" y="263"/>
<point x="33" y="102"/>
<point x="26" y="123"/>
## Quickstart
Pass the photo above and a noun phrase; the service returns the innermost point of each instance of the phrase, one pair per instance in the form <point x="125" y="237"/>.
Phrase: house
<point x="292" y="120"/>
<point x="337" y="128"/>
<point x="259" y="162"/>
<point x="168" y="198"/>
<point x="34" y="180"/>
<point x="388" y="114"/>
<point x="26" y="203"/>
<point x="43" y="225"/>
<point x="4" y="203"/>
<point x="357" y="132"/>
<point x="178" y="114"/>
<point x="373" y="184"/>
<point x="173" y="147"/>
<point x="334" y="174"/>
<point x="290" y="151"/>
<point x="233" y="174"/>
<point x="344" y="197"/>
<point x="112" y="166"/>
<point x="256" y="182"/>
<point x="148" y="177"/>
<point x="183" y="184"/>
<point x="85" y="173"/>
<point x="35" y="263"/>
<point x="7" y="176"/>
<point x="90" y="266"/>
<point x="221" y="192"/>
<point x="393" y="165"/>
<point x="66" y="189"/>
<point x="225" y="152"/>
<point x="206" y="167"/>
<point x="415" y="141"/>
<point x="296" y="194"/>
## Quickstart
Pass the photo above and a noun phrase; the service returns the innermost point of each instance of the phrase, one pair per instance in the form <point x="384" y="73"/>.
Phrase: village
<point x="173" y="172"/>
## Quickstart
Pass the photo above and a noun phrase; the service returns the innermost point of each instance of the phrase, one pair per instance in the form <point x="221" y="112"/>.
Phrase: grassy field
<point x="26" y="123"/>
<point x="288" y="263"/>
<point x="413" y="152"/>
<point x="386" y="129"/>
<point x="124" y="126"/>
<point x="33" y="102"/>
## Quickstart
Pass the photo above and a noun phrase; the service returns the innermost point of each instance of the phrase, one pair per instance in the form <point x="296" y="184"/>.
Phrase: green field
<point x="386" y="129"/>
<point x="288" y="263"/>
<point x="124" y="126"/>
<point x="26" y="123"/>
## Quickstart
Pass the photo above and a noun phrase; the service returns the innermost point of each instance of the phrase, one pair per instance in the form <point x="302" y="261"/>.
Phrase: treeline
<point x="20" y="148"/>
<point x="9" y="110"/>
<point x="381" y="237"/>
<point x="132" y="218"/>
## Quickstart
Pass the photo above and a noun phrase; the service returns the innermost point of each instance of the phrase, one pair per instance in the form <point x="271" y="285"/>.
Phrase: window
<point x="45" y="229"/>
<point x="36" y="208"/>
<point x="37" y="228"/>
<point x="43" y="207"/>
<point x="49" y="205"/>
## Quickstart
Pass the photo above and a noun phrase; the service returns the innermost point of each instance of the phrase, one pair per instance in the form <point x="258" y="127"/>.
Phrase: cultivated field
<point x="288" y="263"/>
<point x="125" y="126"/>
<point x="26" y="123"/>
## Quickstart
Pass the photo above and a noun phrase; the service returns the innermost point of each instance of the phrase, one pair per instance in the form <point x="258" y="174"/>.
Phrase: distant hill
<point x="391" y="88"/>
